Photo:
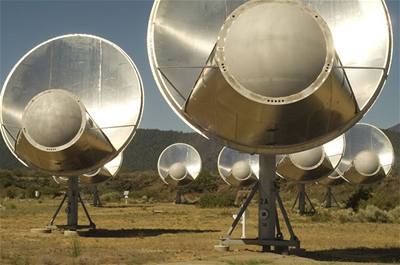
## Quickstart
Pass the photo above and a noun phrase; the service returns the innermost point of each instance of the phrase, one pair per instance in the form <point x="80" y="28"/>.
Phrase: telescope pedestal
<point x="301" y="201"/>
<point x="270" y="236"/>
<point x="96" y="197"/>
<point x="329" y="198"/>
<point x="73" y="198"/>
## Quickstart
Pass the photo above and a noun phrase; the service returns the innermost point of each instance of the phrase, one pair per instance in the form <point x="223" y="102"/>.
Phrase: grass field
<point x="167" y="233"/>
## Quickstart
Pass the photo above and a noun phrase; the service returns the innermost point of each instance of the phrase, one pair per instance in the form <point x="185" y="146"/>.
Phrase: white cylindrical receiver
<point x="241" y="170"/>
<point x="177" y="171"/>
<point x="308" y="159"/>
<point x="53" y="119"/>
<point x="367" y="163"/>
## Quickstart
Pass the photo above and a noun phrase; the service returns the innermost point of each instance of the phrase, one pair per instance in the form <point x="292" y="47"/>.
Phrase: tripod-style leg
<point x="243" y="209"/>
<point x="91" y="224"/>
<point x="57" y="211"/>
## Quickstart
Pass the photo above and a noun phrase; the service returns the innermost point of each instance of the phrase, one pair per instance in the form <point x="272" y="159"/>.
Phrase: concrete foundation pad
<point x="70" y="233"/>
<point x="221" y="248"/>
<point x="41" y="230"/>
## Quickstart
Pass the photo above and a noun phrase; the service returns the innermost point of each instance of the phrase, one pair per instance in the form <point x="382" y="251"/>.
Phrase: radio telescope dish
<point x="313" y="164"/>
<point x="368" y="157"/>
<point x="71" y="104"/>
<point x="179" y="162"/>
<point x="230" y="71"/>
<point x="235" y="166"/>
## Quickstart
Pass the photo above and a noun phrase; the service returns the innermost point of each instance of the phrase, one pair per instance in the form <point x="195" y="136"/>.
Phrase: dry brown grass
<point x="161" y="233"/>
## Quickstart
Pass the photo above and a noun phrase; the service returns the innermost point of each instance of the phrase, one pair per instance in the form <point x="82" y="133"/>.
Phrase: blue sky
<point x="24" y="24"/>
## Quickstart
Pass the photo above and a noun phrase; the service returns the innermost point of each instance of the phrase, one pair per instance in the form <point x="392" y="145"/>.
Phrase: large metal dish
<point x="101" y="76"/>
<point x="182" y="36"/>
<point x="179" y="162"/>
<point x="365" y="139"/>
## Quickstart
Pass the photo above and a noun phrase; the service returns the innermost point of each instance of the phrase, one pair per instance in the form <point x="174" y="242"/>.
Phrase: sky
<point x="25" y="24"/>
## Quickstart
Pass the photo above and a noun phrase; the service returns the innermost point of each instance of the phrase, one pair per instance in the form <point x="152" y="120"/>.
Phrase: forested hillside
<point x="142" y="153"/>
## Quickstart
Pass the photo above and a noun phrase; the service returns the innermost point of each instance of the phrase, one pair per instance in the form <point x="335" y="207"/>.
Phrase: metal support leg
<point x="328" y="197"/>
<point x="302" y="198"/>
<point x="96" y="198"/>
<point x="295" y="201"/>
<point x="312" y="211"/>
<point x="334" y="199"/>
<point x="178" y="198"/>
<point x="286" y="218"/>
<point x="243" y="209"/>
<point x="267" y="203"/>
<point x="91" y="224"/>
<point x="57" y="211"/>
<point x="72" y="208"/>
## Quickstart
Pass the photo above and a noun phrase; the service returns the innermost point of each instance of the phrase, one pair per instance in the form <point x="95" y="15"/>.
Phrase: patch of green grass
<point x="11" y="206"/>
<point x="321" y="216"/>
<point x="213" y="200"/>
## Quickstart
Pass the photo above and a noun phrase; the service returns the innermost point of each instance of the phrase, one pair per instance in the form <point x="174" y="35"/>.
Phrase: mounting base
<point x="96" y="197"/>
<point x="270" y="236"/>
<point x="301" y="201"/>
<point x="329" y="199"/>
<point x="73" y="199"/>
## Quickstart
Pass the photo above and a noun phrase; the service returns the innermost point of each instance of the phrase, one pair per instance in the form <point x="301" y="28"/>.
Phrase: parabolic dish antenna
<point x="313" y="164"/>
<point x="179" y="162"/>
<point x="71" y="104"/>
<point x="231" y="71"/>
<point x="368" y="157"/>
<point x="235" y="166"/>
<point x="105" y="173"/>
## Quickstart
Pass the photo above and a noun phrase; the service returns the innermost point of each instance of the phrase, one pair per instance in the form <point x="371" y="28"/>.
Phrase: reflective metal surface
<point x="314" y="164"/>
<point x="373" y="149"/>
<point x="108" y="171"/>
<point x="179" y="162"/>
<point x="103" y="79"/>
<point x="58" y="135"/>
<point x="237" y="167"/>
<point x="333" y="179"/>
<point x="223" y="96"/>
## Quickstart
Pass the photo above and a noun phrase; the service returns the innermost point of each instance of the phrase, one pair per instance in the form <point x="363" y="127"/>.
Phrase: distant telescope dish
<point x="238" y="167"/>
<point x="368" y="157"/>
<point x="102" y="174"/>
<point x="232" y="72"/>
<point x="313" y="164"/>
<point x="180" y="163"/>
<point x="71" y="105"/>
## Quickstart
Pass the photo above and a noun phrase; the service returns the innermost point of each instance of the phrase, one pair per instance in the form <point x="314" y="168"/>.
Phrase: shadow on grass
<point x="106" y="233"/>
<point x="382" y="255"/>
<point x="124" y="206"/>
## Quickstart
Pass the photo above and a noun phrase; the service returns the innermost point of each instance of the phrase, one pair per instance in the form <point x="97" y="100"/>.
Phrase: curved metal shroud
<point x="181" y="39"/>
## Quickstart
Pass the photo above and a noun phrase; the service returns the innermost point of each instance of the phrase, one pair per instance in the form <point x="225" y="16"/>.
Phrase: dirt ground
<point x="180" y="234"/>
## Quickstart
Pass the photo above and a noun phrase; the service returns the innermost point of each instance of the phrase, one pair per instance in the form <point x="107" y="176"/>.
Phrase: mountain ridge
<point x="142" y="153"/>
